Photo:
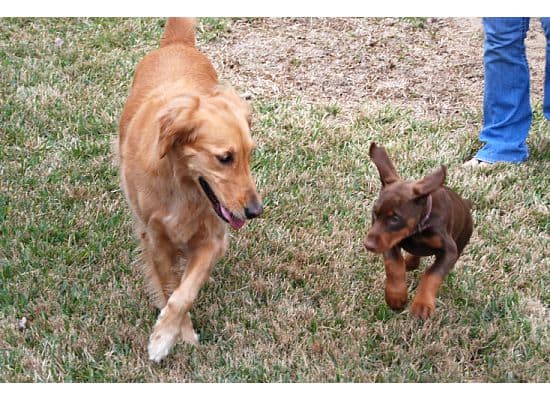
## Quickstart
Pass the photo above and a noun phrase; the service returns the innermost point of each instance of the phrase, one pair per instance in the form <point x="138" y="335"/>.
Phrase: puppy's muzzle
<point x="371" y="243"/>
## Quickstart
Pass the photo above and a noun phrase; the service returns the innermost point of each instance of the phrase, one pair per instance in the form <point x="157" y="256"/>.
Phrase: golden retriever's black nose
<point x="253" y="209"/>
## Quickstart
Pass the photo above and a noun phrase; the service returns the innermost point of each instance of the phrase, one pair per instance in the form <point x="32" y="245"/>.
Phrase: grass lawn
<point x="296" y="297"/>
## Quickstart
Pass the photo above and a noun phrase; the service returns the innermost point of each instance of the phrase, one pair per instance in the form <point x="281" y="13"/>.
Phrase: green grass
<point x="296" y="298"/>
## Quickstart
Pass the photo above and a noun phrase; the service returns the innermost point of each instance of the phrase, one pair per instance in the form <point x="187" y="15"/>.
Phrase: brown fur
<point x="424" y="218"/>
<point x="179" y="129"/>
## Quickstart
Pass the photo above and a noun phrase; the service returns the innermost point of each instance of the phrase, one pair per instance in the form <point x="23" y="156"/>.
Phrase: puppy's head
<point x="207" y="139"/>
<point x="399" y="208"/>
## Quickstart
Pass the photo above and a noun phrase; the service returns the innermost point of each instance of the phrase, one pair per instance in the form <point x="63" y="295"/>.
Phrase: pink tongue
<point x="235" y="222"/>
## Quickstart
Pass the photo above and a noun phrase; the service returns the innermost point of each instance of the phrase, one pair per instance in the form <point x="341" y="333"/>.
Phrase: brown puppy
<point x="424" y="218"/>
<point x="184" y="147"/>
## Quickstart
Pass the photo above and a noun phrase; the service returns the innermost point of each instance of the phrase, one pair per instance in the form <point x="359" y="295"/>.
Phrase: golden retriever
<point x="184" y="154"/>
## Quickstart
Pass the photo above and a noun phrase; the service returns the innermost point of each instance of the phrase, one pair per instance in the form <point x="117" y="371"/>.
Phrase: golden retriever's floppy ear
<point x="430" y="182"/>
<point x="176" y="122"/>
<point x="383" y="163"/>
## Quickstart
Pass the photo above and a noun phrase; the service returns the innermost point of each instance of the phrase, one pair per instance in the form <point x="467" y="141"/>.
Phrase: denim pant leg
<point x="545" y="22"/>
<point x="506" y="104"/>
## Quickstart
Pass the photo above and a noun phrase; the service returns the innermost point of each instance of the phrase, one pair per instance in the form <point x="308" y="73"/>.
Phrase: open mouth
<point x="223" y="213"/>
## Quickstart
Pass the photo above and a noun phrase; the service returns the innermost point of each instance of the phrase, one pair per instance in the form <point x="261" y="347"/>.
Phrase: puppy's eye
<point x="394" y="219"/>
<point x="226" y="158"/>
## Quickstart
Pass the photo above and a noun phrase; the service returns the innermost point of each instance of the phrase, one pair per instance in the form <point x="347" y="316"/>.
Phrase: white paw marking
<point x="160" y="345"/>
<point x="162" y="339"/>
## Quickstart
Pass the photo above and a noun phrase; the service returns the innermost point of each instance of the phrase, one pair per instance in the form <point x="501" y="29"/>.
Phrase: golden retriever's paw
<point x="162" y="339"/>
<point x="160" y="344"/>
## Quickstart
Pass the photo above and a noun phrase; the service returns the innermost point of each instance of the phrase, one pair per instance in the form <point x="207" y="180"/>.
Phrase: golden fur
<point x="184" y="148"/>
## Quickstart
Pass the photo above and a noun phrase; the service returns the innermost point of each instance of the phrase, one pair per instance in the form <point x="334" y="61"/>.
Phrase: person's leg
<point x="545" y="22"/>
<point x="506" y="104"/>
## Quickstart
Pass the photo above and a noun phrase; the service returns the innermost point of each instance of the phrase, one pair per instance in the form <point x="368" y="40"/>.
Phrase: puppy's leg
<point x="174" y="319"/>
<point x="423" y="304"/>
<point x="161" y="255"/>
<point x="412" y="262"/>
<point x="396" y="285"/>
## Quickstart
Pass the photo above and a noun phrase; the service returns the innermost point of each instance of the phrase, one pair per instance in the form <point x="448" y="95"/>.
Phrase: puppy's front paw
<point x="396" y="296"/>
<point x="162" y="339"/>
<point x="423" y="307"/>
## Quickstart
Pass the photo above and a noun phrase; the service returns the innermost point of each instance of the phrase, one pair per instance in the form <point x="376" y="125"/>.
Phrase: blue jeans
<point x="507" y="110"/>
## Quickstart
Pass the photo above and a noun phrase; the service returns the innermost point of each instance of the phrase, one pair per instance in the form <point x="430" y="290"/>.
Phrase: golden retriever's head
<point x="207" y="139"/>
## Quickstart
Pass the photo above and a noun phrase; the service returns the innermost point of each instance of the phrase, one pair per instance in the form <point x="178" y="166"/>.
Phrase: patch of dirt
<point x="433" y="67"/>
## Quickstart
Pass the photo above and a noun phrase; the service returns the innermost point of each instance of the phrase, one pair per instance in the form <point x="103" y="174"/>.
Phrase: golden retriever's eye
<point x="226" y="158"/>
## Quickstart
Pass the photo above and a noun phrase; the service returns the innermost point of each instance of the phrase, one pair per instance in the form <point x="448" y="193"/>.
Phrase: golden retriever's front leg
<point x="174" y="320"/>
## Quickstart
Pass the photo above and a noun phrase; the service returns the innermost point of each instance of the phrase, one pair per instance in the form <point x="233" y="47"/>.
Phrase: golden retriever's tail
<point x="179" y="30"/>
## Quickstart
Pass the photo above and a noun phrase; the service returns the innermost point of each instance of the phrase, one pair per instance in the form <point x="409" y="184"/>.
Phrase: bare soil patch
<point x="433" y="66"/>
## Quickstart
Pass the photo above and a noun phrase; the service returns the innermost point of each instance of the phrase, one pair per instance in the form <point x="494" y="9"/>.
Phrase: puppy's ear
<point x="431" y="182"/>
<point x="383" y="163"/>
<point x="177" y="123"/>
